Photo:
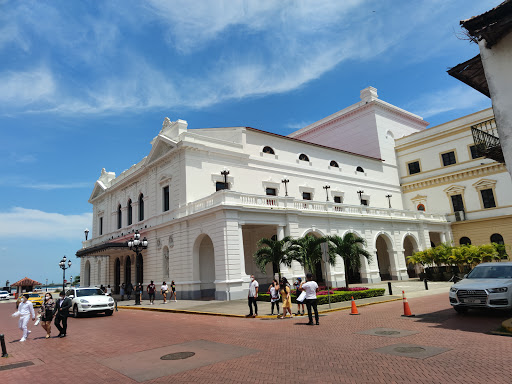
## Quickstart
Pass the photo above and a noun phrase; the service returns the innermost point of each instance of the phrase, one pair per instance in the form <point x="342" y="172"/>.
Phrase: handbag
<point x="302" y="296"/>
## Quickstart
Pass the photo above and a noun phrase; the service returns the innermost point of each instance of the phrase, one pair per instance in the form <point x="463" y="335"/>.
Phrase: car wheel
<point x="109" y="312"/>
<point x="76" y="314"/>
<point x="460" y="309"/>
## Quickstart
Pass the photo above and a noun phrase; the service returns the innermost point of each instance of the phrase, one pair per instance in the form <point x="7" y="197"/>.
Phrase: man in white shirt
<point x="26" y="310"/>
<point x="253" y="296"/>
<point x="311" y="288"/>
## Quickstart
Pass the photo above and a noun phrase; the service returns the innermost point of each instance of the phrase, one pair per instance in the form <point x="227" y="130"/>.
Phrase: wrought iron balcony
<point x="487" y="141"/>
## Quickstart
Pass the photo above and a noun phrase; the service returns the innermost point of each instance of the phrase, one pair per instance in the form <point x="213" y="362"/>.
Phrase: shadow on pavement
<point x="476" y="320"/>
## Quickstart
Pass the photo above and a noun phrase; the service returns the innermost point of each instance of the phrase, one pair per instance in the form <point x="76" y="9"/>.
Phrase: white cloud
<point x="26" y="87"/>
<point x="460" y="97"/>
<point x="298" y="124"/>
<point x="31" y="223"/>
<point x="51" y="187"/>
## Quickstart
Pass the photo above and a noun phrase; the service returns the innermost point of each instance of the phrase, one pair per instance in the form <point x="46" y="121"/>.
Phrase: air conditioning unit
<point x="460" y="216"/>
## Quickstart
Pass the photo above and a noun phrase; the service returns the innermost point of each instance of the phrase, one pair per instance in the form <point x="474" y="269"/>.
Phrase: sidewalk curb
<point x="192" y="312"/>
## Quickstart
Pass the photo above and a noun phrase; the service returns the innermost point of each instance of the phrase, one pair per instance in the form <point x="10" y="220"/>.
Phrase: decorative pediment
<point x="418" y="198"/>
<point x="485" y="184"/>
<point x="161" y="146"/>
<point x="454" y="190"/>
<point x="99" y="189"/>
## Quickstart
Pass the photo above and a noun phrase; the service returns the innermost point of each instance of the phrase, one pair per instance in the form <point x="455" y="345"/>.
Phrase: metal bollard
<point x="115" y="303"/>
<point x="426" y="284"/>
<point x="4" y="349"/>
<point x="137" y="299"/>
<point x="389" y="288"/>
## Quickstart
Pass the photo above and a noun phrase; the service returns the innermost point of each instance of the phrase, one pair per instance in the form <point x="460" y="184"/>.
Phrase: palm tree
<point x="273" y="251"/>
<point x="306" y="250"/>
<point x="349" y="248"/>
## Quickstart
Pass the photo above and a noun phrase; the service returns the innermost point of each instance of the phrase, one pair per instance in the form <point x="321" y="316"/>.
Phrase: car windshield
<point x="34" y="295"/>
<point x="89" y="292"/>
<point x="3" y="292"/>
<point x="491" y="272"/>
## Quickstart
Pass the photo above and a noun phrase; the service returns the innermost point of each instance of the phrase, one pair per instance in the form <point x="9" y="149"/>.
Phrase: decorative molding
<point x="485" y="183"/>
<point x="171" y="241"/>
<point x="454" y="190"/>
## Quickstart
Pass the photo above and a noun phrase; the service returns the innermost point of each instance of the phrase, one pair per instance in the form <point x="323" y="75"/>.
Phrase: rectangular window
<point x="101" y="226"/>
<point x="488" y="198"/>
<point x="271" y="191"/>
<point x="306" y="195"/>
<point x="165" y="198"/>
<point x="414" y="167"/>
<point x="219" y="185"/>
<point x="337" y="199"/>
<point x="474" y="152"/>
<point x="449" y="158"/>
<point x="364" y="202"/>
<point x="457" y="203"/>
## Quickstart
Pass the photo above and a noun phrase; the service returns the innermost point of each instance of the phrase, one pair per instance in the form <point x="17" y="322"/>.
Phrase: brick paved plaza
<point x="379" y="346"/>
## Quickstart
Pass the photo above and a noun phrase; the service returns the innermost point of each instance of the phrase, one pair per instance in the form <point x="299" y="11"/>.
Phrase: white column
<point x="243" y="274"/>
<point x="442" y="235"/>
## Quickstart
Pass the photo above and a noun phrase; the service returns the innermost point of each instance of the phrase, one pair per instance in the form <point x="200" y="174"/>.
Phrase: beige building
<point x="442" y="172"/>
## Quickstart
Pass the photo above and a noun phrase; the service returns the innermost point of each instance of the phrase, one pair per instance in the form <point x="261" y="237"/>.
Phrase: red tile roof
<point x="25" y="282"/>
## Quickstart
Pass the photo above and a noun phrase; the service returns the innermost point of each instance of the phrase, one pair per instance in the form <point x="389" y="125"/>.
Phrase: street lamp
<point x="326" y="187"/>
<point x="62" y="265"/>
<point x="137" y="245"/>
<point x="225" y="173"/>
<point x="86" y="233"/>
<point x="360" y="193"/>
<point x="285" y="181"/>
<point x="389" y="200"/>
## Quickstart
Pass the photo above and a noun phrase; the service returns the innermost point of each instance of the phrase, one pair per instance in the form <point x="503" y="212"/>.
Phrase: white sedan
<point x="488" y="285"/>
<point x="90" y="299"/>
<point x="4" y="295"/>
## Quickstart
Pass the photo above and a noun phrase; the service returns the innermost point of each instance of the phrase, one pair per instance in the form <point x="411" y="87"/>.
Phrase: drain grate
<point x="409" y="349"/>
<point x="16" y="365"/>
<point x="177" y="356"/>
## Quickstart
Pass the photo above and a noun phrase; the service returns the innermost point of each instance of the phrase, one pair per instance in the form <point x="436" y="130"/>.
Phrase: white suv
<point x="90" y="299"/>
<point x="4" y="295"/>
<point x="488" y="285"/>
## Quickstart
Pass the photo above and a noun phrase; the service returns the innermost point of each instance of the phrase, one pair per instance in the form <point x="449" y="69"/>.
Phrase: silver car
<point x="4" y="295"/>
<point x="488" y="285"/>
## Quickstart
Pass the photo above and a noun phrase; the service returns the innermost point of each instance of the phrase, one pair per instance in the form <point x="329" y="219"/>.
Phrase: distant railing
<point x="487" y="141"/>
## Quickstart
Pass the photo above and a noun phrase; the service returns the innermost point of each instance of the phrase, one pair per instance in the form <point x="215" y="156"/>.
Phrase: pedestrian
<point x="274" y="296"/>
<point x="102" y="288"/>
<point x="61" y="312"/>
<point x="311" y="288"/>
<point x="25" y="311"/>
<point x="300" y="303"/>
<point x="46" y="311"/>
<point x="122" y="291"/>
<point x="109" y="290"/>
<point x="138" y="291"/>
<point x="164" y="289"/>
<point x="129" y="290"/>
<point x="287" y="297"/>
<point x="173" y="291"/>
<point x="253" y="297"/>
<point x="151" y="288"/>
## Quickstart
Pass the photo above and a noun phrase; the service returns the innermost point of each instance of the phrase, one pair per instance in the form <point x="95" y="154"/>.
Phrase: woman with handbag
<point x="286" y="294"/>
<point x="274" y="296"/>
<point x="173" y="291"/>
<point x="46" y="313"/>
<point x="300" y="297"/>
<point x="164" y="289"/>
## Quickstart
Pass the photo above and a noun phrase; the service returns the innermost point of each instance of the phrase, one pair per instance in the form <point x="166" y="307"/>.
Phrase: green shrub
<point x="336" y="297"/>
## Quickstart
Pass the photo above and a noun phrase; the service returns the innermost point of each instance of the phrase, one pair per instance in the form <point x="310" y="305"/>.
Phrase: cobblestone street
<point x="379" y="346"/>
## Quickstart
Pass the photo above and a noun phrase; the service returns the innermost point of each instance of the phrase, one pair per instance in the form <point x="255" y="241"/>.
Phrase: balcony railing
<point x="487" y="141"/>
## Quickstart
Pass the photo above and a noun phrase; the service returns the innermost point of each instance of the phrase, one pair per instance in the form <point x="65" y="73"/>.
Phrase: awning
<point x="100" y="248"/>
<point x="472" y="73"/>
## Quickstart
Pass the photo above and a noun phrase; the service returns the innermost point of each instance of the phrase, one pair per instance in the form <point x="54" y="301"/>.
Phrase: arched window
<point x="420" y="207"/>
<point x="359" y="169"/>
<point x="334" y="164"/>
<point x="497" y="238"/>
<point x="119" y="217"/>
<point x="141" y="207"/>
<point x="465" y="241"/>
<point x="303" y="157"/>
<point x="130" y="216"/>
<point x="268" y="150"/>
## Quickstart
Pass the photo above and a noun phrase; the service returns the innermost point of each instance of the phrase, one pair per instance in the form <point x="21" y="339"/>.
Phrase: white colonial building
<point x="335" y="176"/>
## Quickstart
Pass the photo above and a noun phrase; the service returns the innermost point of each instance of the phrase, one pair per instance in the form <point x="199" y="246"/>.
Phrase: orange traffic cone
<point x="407" y="310"/>
<point x="354" y="308"/>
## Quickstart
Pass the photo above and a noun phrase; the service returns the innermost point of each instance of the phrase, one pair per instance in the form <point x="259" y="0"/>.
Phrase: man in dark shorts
<point x="151" y="291"/>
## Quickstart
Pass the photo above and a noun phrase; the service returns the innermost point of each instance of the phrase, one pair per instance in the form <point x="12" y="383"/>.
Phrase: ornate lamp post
<point x="326" y="187"/>
<point x="86" y="233"/>
<point x="285" y="181"/>
<point x="137" y="245"/>
<point x="360" y="193"/>
<point x="389" y="200"/>
<point x="225" y="173"/>
<point x="62" y="265"/>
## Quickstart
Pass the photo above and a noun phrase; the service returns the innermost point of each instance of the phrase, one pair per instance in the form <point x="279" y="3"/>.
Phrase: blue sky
<point x="86" y="85"/>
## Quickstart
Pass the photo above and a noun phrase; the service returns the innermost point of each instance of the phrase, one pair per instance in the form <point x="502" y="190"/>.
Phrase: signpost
<point x="325" y="258"/>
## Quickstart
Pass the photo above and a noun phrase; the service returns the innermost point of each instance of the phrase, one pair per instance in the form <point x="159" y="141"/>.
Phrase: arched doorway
<point x="410" y="247"/>
<point x="127" y="270"/>
<point x="87" y="274"/>
<point x="139" y="269"/>
<point x="117" y="274"/>
<point x="207" y="267"/>
<point x="383" y="247"/>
